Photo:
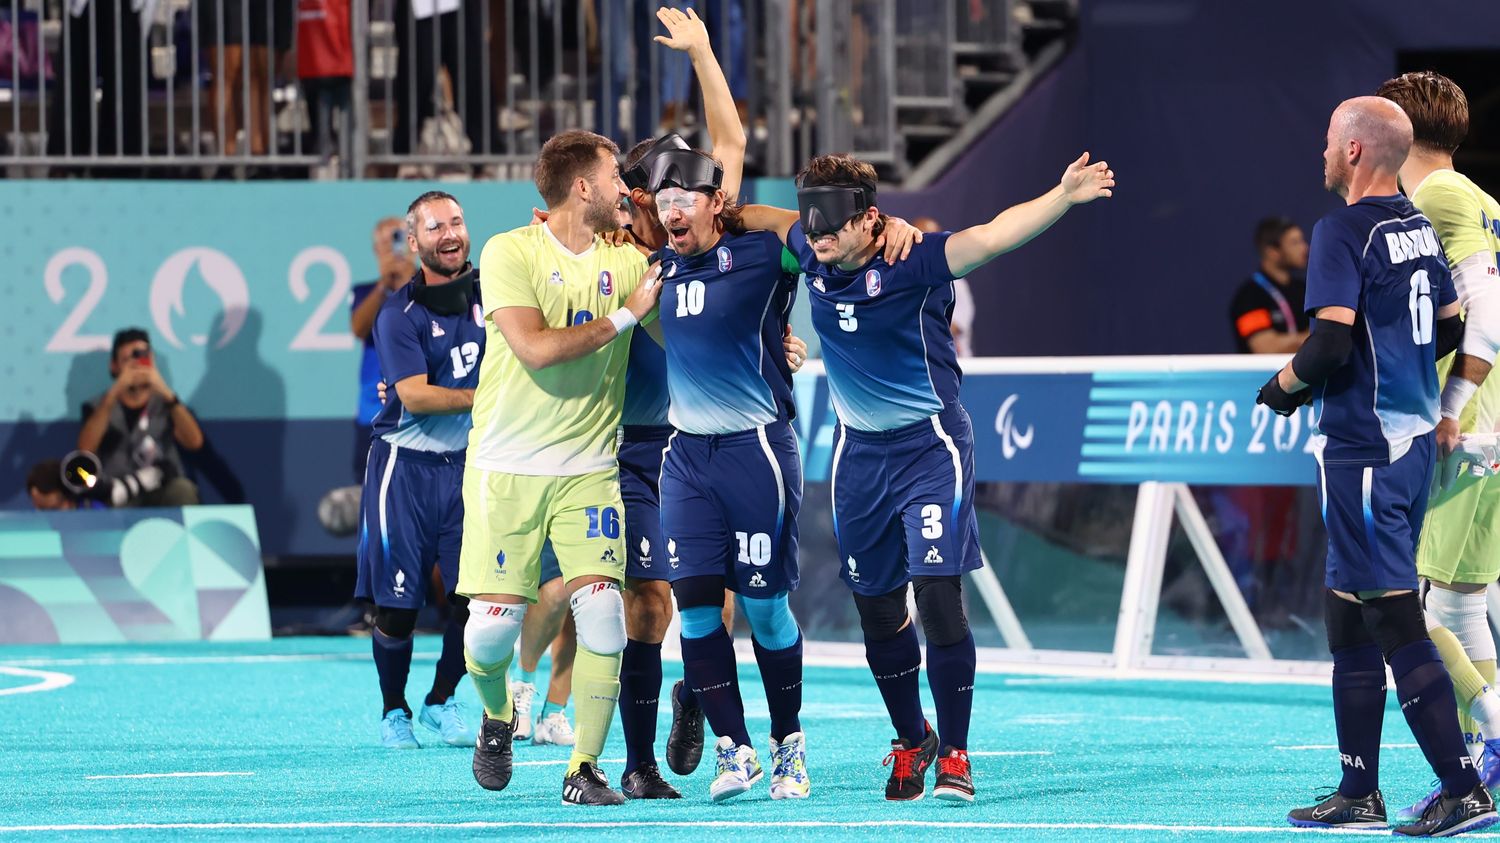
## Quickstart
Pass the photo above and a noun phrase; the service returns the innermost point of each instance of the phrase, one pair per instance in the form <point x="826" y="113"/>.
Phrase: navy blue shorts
<point x="729" y="506"/>
<point x="1374" y="517"/>
<point x="903" y="502"/>
<point x="640" y="471"/>
<point x="412" y="518"/>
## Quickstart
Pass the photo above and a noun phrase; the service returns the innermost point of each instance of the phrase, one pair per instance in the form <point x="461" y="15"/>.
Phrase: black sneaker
<point x="492" y="754"/>
<point x="645" y="782"/>
<point x="908" y="781"/>
<point x="1335" y="810"/>
<point x="954" y="783"/>
<point x="685" y="741"/>
<point x="1452" y="815"/>
<point x="588" y="786"/>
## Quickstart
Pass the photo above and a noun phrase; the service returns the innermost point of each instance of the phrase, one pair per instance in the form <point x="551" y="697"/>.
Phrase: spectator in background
<point x="140" y="422"/>
<point x="962" y="319"/>
<point x="1266" y="312"/>
<point x="325" y="65"/>
<point x="396" y="268"/>
<point x="93" y="100"/>
<point x="44" y="484"/>
<point x="248" y="30"/>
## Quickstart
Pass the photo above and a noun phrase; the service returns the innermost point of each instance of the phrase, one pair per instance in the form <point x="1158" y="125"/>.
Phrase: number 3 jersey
<point x="411" y="340"/>
<point x="1381" y="258"/>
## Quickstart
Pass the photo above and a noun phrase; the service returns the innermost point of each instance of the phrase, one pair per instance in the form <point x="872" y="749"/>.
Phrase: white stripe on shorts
<point x="765" y="447"/>
<point x="385" y="483"/>
<point x="958" y="468"/>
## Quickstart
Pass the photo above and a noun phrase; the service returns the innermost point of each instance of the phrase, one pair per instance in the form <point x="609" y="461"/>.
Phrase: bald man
<point x="1384" y="310"/>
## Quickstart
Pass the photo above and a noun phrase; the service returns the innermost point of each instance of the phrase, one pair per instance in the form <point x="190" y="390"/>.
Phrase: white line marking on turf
<point x="47" y="680"/>
<point x="757" y="824"/>
<point x="562" y="761"/>
<point x="1006" y="754"/>
<point x="1301" y="747"/>
<point x="105" y="661"/>
<point x="169" y="775"/>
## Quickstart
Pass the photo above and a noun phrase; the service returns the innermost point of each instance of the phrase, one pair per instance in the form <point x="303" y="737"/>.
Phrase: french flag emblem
<point x="606" y="283"/>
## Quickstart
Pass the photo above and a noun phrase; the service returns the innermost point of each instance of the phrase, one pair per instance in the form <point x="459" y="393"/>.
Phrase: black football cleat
<point x="954" y="781"/>
<point x="908" y="781"/>
<point x="1335" y="810"/>
<point x="1450" y="815"/>
<point x="588" y="786"/>
<point x="492" y="753"/>
<point x="685" y="741"/>
<point x="645" y="782"/>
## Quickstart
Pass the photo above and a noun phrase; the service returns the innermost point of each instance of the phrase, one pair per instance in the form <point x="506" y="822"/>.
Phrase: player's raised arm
<point x="687" y="33"/>
<point x="1081" y="183"/>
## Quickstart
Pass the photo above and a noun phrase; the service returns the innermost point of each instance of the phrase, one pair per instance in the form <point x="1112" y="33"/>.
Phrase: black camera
<point x="83" y="477"/>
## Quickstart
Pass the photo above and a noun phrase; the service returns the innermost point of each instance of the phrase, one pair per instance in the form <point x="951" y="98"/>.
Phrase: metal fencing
<point x="445" y="88"/>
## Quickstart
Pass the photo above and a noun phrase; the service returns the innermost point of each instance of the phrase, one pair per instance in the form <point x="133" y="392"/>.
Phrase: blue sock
<point x="781" y="673"/>
<point x="950" y="676"/>
<point x="709" y="666"/>
<point x="685" y="696"/>
<point x="527" y="676"/>
<point x="450" y="665"/>
<point x="1358" y="713"/>
<point x="1426" y="695"/>
<point x="895" y="664"/>
<point x="550" y="707"/>
<point x="640" y="694"/>
<point x="392" y="664"/>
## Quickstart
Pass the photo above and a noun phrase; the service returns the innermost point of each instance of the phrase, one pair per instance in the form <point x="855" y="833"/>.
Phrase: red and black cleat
<point x="954" y="782"/>
<point x="908" y="781"/>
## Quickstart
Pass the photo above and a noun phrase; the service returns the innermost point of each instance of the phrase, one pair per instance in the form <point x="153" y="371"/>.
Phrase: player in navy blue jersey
<point x="903" y="465"/>
<point x="430" y="338"/>
<point x="1385" y="310"/>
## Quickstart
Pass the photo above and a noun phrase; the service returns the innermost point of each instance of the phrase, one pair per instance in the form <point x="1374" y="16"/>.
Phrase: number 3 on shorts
<point x="605" y="522"/>
<point x="932" y="521"/>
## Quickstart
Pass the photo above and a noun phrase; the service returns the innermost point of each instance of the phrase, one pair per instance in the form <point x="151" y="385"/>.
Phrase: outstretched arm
<point x="767" y="218"/>
<point x="974" y="247"/>
<point x="687" y="33"/>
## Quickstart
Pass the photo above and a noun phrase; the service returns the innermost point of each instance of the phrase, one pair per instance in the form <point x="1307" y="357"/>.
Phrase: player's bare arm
<point x="1081" y="183"/>
<point x="687" y="33"/>
<point x="538" y="346"/>
<point x="419" y="396"/>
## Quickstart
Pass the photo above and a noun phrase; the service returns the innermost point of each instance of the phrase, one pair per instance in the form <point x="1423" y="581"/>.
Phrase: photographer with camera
<point x="140" y="422"/>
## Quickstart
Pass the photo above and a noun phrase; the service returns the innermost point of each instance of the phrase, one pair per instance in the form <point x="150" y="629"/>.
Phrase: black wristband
<point x="176" y="399"/>
<point x="1279" y="400"/>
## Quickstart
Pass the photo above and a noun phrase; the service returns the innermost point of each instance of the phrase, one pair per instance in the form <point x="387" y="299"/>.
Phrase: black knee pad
<point x="1395" y="621"/>
<point x="692" y="592"/>
<point x="882" y="617"/>
<point x="458" y="609"/>
<point x="1345" y="621"/>
<point x="940" y="603"/>
<point x="396" y="623"/>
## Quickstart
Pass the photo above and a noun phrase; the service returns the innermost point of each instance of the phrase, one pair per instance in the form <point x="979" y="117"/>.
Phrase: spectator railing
<point x="856" y="79"/>
<point x="927" y="73"/>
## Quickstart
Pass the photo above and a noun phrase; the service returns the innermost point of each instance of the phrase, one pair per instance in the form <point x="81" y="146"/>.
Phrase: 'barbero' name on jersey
<point x="1410" y="245"/>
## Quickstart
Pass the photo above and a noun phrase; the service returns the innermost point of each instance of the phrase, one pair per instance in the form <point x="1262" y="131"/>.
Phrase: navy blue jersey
<point x="645" y="383"/>
<point x="887" y="342"/>
<point x="723" y="313"/>
<point x="412" y="340"/>
<point x="1380" y="257"/>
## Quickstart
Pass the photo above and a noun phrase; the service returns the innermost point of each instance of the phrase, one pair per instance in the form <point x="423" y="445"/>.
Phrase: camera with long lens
<point x="83" y="477"/>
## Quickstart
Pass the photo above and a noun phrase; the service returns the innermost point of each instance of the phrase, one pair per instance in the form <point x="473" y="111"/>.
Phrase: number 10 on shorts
<point x="603" y="522"/>
<point x="755" y="549"/>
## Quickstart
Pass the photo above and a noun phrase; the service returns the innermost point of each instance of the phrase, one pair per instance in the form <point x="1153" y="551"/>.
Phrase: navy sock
<point x="781" y="673"/>
<point x="1358" y="713"/>
<point x="895" y="664"/>
<point x="709" y="667"/>
<point x="450" y="665"/>
<point x="392" y="663"/>
<point x="640" y="692"/>
<point x="950" y="676"/>
<point x="1426" y="695"/>
<point x="685" y="695"/>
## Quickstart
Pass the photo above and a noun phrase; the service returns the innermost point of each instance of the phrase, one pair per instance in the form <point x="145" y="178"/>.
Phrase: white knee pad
<point x="599" y="616"/>
<point x="1466" y="616"/>
<point x="492" y="631"/>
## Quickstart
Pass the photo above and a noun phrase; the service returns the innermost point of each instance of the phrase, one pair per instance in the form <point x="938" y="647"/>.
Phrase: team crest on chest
<point x="872" y="283"/>
<point x="606" y="283"/>
<point x="818" y="284"/>
<point x="726" y="259"/>
<point x="437" y="330"/>
<point x="556" y="279"/>
<point x="478" y="316"/>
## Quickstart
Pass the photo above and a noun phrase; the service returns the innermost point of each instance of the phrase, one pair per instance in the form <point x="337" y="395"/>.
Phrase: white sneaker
<point x="789" y="768"/>
<point x="521" y="695"/>
<point x="553" y="729"/>
<point x="738" y="769"/>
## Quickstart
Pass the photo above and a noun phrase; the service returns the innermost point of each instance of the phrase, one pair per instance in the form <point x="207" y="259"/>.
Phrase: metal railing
<point x="439" y="88"/>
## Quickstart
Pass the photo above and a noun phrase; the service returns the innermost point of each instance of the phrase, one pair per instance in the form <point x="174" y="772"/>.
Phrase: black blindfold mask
<point x="639" y="176"/>
<point x="827" y="209"/>
<point x="687" y="169"/>
<point x="448" y="299"/>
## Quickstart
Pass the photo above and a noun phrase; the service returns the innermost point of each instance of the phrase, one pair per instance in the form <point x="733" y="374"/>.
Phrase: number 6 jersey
<point x="1381" y="258"/>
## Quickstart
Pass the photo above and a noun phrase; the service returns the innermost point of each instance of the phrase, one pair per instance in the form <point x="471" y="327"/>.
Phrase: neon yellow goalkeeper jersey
<point x="561" y="420"/>
<point x="1466" y="219"/>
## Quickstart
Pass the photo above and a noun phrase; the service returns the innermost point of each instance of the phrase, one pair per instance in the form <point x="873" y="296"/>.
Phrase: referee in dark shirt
<point x="1266" y="312"/>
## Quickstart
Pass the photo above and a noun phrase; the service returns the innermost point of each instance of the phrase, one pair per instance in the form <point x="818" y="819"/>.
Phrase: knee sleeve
<point x="771" y="621"/>
<point x="941" y="606"/>
<point x="1345" y="621"/>
<point x="701" y="621"/>
<point x="1395" y="621"/>
<point x="599" y="616"/>
<point x="396" y="623"/>
<point x="693" y="592"/>
<point x="492" y="631"/>
<point x="1466" y="616"/>
<point x="882" y="617"/>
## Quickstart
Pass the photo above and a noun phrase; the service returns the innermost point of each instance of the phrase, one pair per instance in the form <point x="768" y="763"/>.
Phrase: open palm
<point x="1084" y="182"/>
<point x="686" y="31"/>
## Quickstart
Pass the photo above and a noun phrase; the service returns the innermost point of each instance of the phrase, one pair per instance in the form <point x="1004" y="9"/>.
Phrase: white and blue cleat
<point x="789" y="768"/>
<point x="738" y="768"/>
<point x="447" y="720"/>
<point x="395" y="731"/>
<point x="1489" y="776"/>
